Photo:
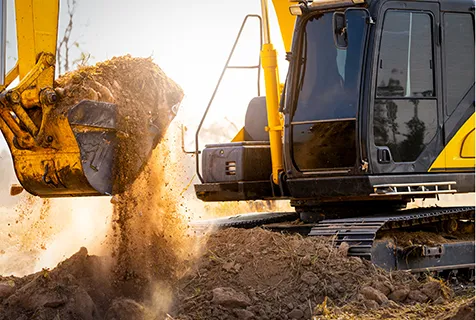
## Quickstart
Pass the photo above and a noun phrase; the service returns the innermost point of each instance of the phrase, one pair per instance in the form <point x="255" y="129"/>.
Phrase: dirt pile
<point x="146" y="99"/>
<point x="258" y="274"/>
<point x="242" y="274"/>
<point x="81" y="287"/>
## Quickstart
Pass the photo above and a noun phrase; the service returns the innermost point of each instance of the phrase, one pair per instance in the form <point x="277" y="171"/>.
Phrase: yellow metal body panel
<point x="467" y="150"/>
<point x="37" y="26"/>
<point x="286" y="21"/>
<point x="240" y="136"/>
<point x="458" y="154"/>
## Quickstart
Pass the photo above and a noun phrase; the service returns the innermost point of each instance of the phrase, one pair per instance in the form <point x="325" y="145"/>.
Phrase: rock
<point x="371" y="304"/>
<point x="417" y="296"/>
<point x="56" y="302"/>
<point x="230" y="298"/>
<point x="373" y="294"/>
<point x="360" y="297"/>
<point x="399" y="295"/>
<point x="433" y="289"/>
<point x="122" y="309"/>
<point x="243" y="314"/>
<point x="7" y="288"/>
<point x="383" y="286"/>
<point x="306" y="260"/>
<point x="343" y="249"/>
<point x="290" y="306"/>
<point x="295" y="314"/>
<point x="309" y="277"/>
<point x="228" y="266"/>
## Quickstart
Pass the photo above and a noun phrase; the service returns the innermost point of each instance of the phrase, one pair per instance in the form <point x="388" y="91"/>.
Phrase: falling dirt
<point x="151" y="240"/>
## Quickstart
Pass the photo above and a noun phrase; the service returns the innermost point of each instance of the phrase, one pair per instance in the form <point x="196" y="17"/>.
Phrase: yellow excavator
<point x="56" y="153"/>
<point x="377" y="110"/>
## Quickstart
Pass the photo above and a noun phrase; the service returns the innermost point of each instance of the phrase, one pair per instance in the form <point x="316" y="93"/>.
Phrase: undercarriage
<point x="418" y="240"/>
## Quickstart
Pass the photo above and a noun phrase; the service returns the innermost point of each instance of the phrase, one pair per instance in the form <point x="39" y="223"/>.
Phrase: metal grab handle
<point x="197" y="148"/>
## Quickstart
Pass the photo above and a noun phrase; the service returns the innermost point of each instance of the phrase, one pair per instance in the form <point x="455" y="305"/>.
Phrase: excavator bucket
<point x="73" y="155"/>
<point x="94" y="132"/>
<point x="83" y="157"/>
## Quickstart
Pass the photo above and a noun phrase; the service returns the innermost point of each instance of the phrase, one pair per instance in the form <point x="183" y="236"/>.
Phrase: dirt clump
<point x="146" y="102"/>
<point x="464" y="312"/>
<point x="76" y="289"/>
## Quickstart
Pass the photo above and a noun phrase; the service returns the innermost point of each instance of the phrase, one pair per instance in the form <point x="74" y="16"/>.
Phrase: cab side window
<point x="405" y="109"/>
<point x="458" y="57"/>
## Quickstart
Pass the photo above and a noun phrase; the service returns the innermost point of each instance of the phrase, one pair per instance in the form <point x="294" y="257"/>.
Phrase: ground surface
<point x="240" y="274"/>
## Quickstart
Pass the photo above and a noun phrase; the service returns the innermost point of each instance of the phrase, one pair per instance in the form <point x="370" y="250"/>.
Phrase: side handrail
<point x="226" y="67"/>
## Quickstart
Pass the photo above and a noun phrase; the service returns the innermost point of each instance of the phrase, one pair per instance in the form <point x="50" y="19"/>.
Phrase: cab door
<point x="406" y="118"/>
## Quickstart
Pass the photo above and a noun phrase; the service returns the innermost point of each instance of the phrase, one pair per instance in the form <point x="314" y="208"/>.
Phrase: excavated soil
<point x="258" y="274"/>
<point x="241" y="274"/>
<point x="146" y="102"/>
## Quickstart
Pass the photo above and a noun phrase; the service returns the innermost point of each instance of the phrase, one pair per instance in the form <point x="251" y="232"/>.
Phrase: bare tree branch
<point x="63" y="61"/>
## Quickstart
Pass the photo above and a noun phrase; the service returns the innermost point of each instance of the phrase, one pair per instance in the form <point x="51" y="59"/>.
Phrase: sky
<point x="189" y="40"/>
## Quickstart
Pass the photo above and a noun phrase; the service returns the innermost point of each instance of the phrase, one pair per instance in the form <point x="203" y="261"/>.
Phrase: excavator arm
<point x="46" y="154"/>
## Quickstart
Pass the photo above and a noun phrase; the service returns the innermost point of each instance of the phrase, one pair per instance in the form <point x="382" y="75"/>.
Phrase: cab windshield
<point x="327" y="91"/>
